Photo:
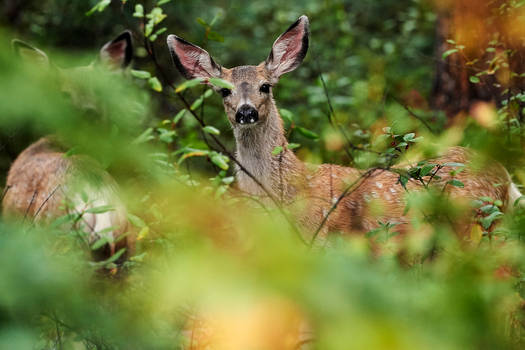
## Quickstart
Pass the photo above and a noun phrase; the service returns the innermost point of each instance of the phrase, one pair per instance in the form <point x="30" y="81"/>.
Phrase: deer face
<point x="114" y="57"/>
<point x="250" y="102"/>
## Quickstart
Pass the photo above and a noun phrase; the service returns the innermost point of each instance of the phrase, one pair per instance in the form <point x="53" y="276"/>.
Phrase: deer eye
<point x="225" y="92"/>
<point x="265" y="88"/>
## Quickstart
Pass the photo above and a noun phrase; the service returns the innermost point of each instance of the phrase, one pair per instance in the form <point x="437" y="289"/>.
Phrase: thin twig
<point x="30" y="204"/>
<point x="151" y="52"/>
<point x="413" y="114"/>
<point x="339" y="199"/>
<point x="333" y="119"/>
<point x="44" y="202"/>
<point x="5" y="192"/>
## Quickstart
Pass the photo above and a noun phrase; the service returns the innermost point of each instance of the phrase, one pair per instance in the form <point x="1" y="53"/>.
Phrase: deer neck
<point x="280" y="174"/>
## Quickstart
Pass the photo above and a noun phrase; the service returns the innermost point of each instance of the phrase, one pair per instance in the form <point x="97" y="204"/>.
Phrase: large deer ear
<point x="191" y="60"/>
<point x="29" y="53"/>
<point x="118" y="52"/>
<point x="289" y="50"/>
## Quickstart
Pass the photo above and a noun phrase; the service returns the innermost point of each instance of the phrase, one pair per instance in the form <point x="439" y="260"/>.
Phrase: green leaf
<point x="149" y="28"/>
<point x="473" y="79"/>
<point x="293" y="145"/>
<point x="70" y="152"/>
<point x="403" y="180"/>
<point x="188" y="84"/>
<point x="211" y="130"/>
<point x="136" y="221"/>
<point x="166" y="136"/>
<point x="194" y="153"/>
<point x="307" y="133"/>
<point x="286" y="115"/>
<point x="426" y="169"/>
<point x="139" y="11"/>
<point x="486" y="199"/>
<point x="179" y="116"/>
<point x="453" y="164"/>
<point x="99" y="243"/>
<point x="488" y="220"/>
<point x="100" y="209"/>
<point x="488" y="208"/>
<point x="115" y="256"/>
<point x="220" y="160"/>
<point x="146" y="136"/>
<point x="162" y="2"/>
<point x="517" y="201"/>
<point x="228" y="180"/>
<point x="100" y="6"/>
<point x="208" y="93"/>
<point x="476" y="203"/>
<point x="156" y="16"/>
<point x="140" y="74"/>
<point x="409" y="137"/>
<point x="202" y="22"/>
<point x="277" y="150"/>
<point x="221" y="83"/>
<point x="448" y="53"/>
<point x="155" y="84"/>
<point x="456" y="183"/>
<point x="214" y="36"/>
<point x="197" y="103"/>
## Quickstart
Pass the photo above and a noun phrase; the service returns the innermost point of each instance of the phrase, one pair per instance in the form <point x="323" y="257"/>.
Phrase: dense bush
<point x="359" y="99"/>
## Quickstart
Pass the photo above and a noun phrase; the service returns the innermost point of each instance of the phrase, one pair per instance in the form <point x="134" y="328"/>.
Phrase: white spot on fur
<point x="379" y="185"/>
<point x="514" y="194"/>
<point x="392" y="190"/>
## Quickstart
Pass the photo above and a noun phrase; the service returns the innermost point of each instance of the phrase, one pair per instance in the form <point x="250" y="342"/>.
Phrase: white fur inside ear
<point x="289" y="49"/>
<point x="195" y="62"/>
<point x="284" y="53"/>
<point x="114" y="54"/>
<point x="34" y="55"/>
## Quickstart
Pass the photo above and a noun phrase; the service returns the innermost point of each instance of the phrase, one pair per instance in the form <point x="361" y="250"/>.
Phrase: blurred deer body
<point x="258" y="129"/>
<point x="44" y="183"/>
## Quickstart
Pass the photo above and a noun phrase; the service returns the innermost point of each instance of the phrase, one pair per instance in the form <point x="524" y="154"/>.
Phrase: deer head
<point x="114" y="56"/>
<point x="250" y="103"/>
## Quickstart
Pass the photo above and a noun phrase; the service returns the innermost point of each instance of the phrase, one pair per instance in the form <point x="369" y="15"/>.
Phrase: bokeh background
<point x="447" y="72"/>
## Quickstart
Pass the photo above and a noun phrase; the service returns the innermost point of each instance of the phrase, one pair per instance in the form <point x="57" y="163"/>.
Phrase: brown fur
<point x="44" y="184"/>
<point x="314" y="190"/>
<point x="42" y="180"/>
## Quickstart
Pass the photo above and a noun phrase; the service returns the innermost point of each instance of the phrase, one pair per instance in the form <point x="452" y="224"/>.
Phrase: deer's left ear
<point x="290" y="48"/>
<point x="118" y="52"/>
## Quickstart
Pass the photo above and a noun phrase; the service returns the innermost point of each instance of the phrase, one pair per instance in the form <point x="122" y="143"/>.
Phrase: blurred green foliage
<point x="201" y="250"/>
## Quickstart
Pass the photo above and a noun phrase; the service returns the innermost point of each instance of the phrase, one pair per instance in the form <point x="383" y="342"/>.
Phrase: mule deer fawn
<point x="258" y="129"/>
<point x="42" y="178"/>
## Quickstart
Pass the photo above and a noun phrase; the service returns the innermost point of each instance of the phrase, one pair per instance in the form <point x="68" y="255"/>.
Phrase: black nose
<point x="246" y="115"/>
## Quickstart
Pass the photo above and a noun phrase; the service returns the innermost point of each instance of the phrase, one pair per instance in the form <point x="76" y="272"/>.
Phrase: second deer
<point x="43" y="184"/>
<point x="258" y="130"/>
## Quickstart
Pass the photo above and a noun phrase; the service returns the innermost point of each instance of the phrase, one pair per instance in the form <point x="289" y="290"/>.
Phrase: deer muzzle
<point x="246" y="114"/>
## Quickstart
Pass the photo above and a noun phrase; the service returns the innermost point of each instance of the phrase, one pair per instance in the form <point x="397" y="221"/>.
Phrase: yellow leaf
<point x="143" y="233"/>
<point x="476" y="233"/>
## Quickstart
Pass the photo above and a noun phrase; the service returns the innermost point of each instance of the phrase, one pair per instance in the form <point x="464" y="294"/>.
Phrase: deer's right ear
<point x="30" y="53"/>
<point x="191" y="60"/>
